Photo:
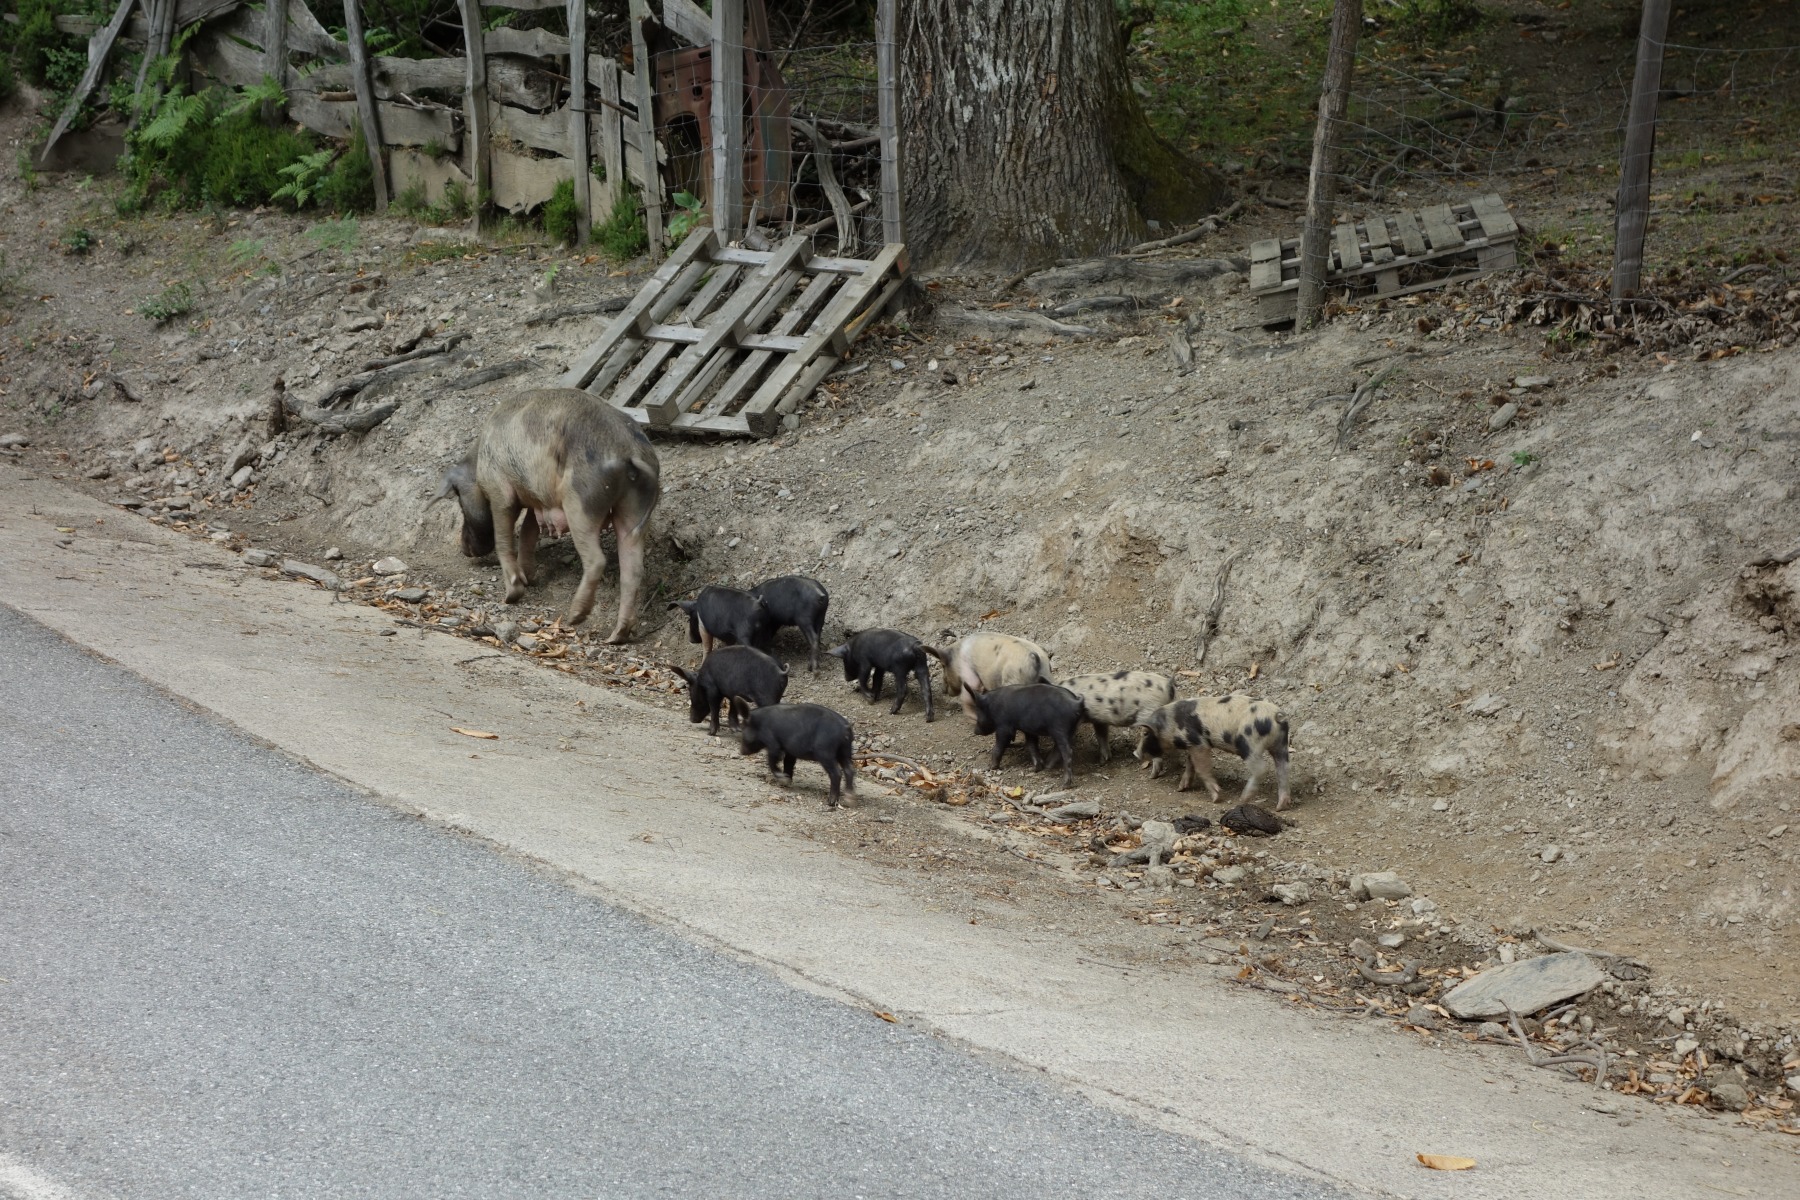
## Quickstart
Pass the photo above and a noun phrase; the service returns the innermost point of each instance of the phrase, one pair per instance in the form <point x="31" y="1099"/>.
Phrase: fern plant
<point x="305" y="177"/>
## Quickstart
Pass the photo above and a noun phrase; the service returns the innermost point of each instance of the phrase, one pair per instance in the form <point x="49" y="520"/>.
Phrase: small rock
<point x="1503" y="416"/>
<point x="1509" y="953"/>
<point x="450" y="622"/>
<point x="1392" y="941"/>
<point x="1291" y="894"/>
<point x="243" y="477"/>
<point x="1484" y="705"/>
<point x="1528" y="986"/>
<point x="1440" y="805"/>
<point x="1422" y="1017"/>
<point x="411" y="595"/>
<point x="1490" y="1029"/>
<point x="1730" y="1095"/>
<point x="1685" y="1046"/>
<point x="178" y="503"/>
<point x="1379" y="885"/>
<point x="1192" y="823"/>
<point x="14" y="441"/>
<point x="244" y="456"/>
<point x="1793" y="1085"/>
<point x="307" y="571"/>
<point x="1532" y="383"/>
<point x="261" y="558"/>
<point x="527" y="642"/>
<point x="1422" y="906"/>
<point x="1159" y="877"/>
<point x="1778" y="831"/>
<point x="1230" y="876"/>
<point x="1075" y="810"/>
<point x="389" y="566"/>
<point x="103" y="471"/>
<point x="333" y="554"/>
<point x="1550" y="853"/>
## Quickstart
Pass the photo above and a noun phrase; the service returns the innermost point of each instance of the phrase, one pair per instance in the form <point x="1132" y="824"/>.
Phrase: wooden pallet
<point x="756" y="332"/>
<point x="1370" y="255"/>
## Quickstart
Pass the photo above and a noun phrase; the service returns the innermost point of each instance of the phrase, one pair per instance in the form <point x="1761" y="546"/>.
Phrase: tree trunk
<point x="1321" y="186"/>
<point x="1022" y="139"/>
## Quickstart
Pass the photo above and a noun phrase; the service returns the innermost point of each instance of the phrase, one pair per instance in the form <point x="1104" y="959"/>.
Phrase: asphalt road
<point x="222" y="974"/>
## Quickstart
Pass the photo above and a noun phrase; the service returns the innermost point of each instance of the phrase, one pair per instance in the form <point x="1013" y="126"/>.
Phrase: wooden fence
<point x="531" y="107"/>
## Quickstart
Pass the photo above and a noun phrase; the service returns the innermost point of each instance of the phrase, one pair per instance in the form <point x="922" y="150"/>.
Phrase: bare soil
<point x="1537" y="670"/>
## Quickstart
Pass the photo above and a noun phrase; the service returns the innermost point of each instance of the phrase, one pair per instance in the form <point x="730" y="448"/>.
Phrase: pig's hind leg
<point x="899" y="690"/>
<point x="923" y="672"/>
<point x="506" y="547"/>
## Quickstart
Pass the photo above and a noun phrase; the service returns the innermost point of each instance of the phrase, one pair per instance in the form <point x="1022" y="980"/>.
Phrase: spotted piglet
<point x="1252" y="729"/>
<point x="1114" y="699"/>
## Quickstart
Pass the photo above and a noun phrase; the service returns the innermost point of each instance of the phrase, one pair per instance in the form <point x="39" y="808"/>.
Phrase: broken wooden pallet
<point x="1372" y="254"/>
<point x="756" y="332"/>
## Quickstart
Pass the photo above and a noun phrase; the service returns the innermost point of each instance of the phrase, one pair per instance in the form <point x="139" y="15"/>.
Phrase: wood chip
<point x="1445" y="1162"/>
<point x="475" y="733"/>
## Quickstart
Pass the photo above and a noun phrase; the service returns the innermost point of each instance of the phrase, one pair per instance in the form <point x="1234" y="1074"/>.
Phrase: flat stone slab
<point x="1527" y="986"/>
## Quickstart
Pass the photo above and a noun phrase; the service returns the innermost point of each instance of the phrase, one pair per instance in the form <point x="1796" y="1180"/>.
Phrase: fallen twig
<point x="1207" y="225"/>
<point x="1597" y="1060"/>
<point x="1551" y="943"/>
<point x="1210" y="626"/>
<point x="463" y="383"/>
<point x="1773" y="560"/>
<point x="587" y="308"/>
<point x="1018" y="320"/>
<point x="408" y="363"/>
<point x="1361" y="399"/>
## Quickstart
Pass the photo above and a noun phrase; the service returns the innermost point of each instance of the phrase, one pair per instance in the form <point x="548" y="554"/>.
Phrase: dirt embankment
<point x="1524" y="610"/>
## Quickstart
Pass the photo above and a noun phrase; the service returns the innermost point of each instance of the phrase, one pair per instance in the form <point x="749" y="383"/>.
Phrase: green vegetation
<point x="687" y="213"/>
<point x="435" y="252"/>
<point x="173" y="301"/>
<point x="191" y="150"/>
<point x="350" y="185"/>
<point x="305" y="175"/>
<point x="1523" y="458"/>
<point x="76" y="242"/>
<point x="561" y="214"/>
<point x="452" y="209"/>
<point x="622" y="234"/>
<point x="336" y="235"/>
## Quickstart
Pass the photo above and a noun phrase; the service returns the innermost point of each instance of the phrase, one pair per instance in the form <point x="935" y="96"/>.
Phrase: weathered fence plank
<point x="365" y="99"/>
<point x="578" y="117"/>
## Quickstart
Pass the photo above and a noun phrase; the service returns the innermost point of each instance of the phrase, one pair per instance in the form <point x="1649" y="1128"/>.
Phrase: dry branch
<point x="1361" y="399"/>
<point x="404" y="364"/>
<point x="1211" y="625"/>
<point x="1017" y="320"/>
<point x="587" y="308"/>
<point x="511" y="367"/>
<point x="1206" y="226"/>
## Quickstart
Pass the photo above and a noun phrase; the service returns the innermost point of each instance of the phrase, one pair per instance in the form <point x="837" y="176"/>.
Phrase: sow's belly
<point x="552" y="522"/>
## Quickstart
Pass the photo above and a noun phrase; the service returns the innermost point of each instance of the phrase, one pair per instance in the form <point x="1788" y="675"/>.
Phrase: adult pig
<point x="558" y="460"/>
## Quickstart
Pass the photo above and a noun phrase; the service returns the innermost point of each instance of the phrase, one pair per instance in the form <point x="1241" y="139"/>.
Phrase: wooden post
<point x="365" y="99"/>
<point x="644" y="71"/>
<point x="275" y="22"/>
<point x="1315" y="235"/>
<point x="612" y="134"/>
<point x="578" y="117"/>
<point x="155" y="12"/>
<point x="1632" y="210"/>
<point x="475" y="108"/>
<point x="98" y="48"/>
<point x="728" y="118"/>
<point x="887" y="69"/>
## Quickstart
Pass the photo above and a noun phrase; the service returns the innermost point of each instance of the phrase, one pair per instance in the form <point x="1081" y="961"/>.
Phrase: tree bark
<point x="1632" y="210"/>
<point x="1321" y="187"/>
<point x="1022" y="139"/>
